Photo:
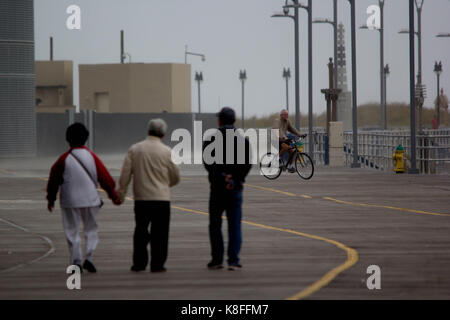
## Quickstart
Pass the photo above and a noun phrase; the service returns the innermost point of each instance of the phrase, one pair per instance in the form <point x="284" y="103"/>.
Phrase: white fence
<point x="375" y="149"/>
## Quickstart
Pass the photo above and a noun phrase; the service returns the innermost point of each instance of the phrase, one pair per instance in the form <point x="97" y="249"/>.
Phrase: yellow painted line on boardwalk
<point x="354" y="203"/>
<point x="352" y="255"/>
<point x="290" y="194"/>
<point x="385" y="207"/>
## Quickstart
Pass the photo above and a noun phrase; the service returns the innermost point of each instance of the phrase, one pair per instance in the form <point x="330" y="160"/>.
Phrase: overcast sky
<point x="240" y="34"/>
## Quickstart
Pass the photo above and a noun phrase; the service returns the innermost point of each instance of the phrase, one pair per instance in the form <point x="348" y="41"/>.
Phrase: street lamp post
<point x="294" y="17"/>
<point x="438" y="71"/>
<point x="334" y="24"/>
<point x="355" y="163"/>
<point x="308" y="9"/>
<point x="199" y="79"/>
<point x="286" y="76"/>
<point x="386" y="73"/>
<point x="382" y="85"/>
<point x="419" y="5"/>
<point x="420" y="89"/>
<point x="412" y="102"/>
<point x="243" y="77"/>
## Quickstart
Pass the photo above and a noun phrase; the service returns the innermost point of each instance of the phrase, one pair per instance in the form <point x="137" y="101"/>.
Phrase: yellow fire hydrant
<point x="399" y="160"/>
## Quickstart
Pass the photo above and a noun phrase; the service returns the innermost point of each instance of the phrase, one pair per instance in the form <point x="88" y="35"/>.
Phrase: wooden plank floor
<point x="412" y="249"/>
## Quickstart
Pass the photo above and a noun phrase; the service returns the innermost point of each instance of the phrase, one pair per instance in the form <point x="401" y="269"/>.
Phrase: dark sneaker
<point x="159" y="270"/>
<point x="234" y="266"/>
<point x="214" y="265"/>
<point x="137" y="269"/>
<point x="291" y="169"/>
<point x="89" y="266"/>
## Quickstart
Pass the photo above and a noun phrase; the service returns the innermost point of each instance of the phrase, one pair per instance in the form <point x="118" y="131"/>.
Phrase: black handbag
<point x="89" y="174"/>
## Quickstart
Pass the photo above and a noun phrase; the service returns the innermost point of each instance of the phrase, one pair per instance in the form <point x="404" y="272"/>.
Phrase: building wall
<point x="181" y="88"/>
<point x="151" y="88"/>
<point x="109" y="81"/>
<point x="135" y="87"/>
<point x="56" y="73"/>
<point x="17" y="79"/>
<point x="113" y="133"/>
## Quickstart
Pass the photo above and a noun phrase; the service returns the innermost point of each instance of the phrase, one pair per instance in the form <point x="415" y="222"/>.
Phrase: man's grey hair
<point x="157" y="127"/>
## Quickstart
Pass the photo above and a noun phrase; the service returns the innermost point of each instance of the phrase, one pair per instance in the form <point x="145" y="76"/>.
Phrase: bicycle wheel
<point x="270" y="166"/>
<point x="304" y="166"/>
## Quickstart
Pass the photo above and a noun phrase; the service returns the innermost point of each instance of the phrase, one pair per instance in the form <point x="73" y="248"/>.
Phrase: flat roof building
<point x="135" y="87"/>
<point x="54" y="86"/>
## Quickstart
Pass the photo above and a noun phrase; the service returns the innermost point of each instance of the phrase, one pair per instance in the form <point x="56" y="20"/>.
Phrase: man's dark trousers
<point x="158" y="214"/>
<point x="231" y="203"/>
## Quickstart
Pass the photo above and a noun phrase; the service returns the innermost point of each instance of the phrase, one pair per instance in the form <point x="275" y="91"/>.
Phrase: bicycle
<point x="271" y="165"/>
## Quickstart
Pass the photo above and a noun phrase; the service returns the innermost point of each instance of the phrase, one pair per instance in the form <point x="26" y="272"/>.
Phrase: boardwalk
<point x="302" y="239"/>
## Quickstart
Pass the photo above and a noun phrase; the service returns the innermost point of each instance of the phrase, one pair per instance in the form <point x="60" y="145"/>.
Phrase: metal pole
<point x="297" y="68"/>
<point x="199" y="104"/>
<point x="243" y="125"/>
<point x="438" y="101"/>
<point x="51" y="48"/>
<point x="419" y="78"/>
<point x="122" y="55"/>
<point x="310" y="86"/>
<point x="355" y="163"/>
<point x="413" y="169"/>
<point x="419" y="17"/>
<point x="383" y="100"/>
<point x="287" y="94"/>
<point x="385" y="97"/>
<point x="335" y="25"/>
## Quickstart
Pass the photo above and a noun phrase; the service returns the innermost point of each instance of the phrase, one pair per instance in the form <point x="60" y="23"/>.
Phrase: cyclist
<point x="284" y="125"/>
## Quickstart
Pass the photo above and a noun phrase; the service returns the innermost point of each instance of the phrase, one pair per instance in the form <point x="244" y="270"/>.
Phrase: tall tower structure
<point x="344" y="105"/>
<point x="17" y="79"/>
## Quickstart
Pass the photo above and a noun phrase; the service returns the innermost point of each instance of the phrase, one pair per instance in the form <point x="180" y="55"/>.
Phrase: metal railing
<point x="318" y="155"/>
<point x="376" y="148"/>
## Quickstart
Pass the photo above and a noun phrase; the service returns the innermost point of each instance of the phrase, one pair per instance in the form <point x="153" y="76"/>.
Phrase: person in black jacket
<point x="226" y="176"/>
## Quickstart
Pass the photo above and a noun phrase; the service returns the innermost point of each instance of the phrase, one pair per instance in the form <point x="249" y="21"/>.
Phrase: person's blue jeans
<point x="231" y="203"/>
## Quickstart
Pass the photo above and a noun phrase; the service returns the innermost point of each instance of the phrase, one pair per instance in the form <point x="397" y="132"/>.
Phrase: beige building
<point x="54" y="86"/>
<point x="135" y="87"/>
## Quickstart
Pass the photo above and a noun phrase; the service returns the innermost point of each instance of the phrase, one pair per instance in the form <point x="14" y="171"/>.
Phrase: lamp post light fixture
<point x="308" y="8"/>
<point x="199" y="79"/>
<point x="286" y="76"/>
<point x="438" y="71"/>
<point x="294" y="17"/>
<point x="186" y="53"/>
<point x="243" y="77"/>
<point x="443" y="35"/>
<point x="382" y="86"/>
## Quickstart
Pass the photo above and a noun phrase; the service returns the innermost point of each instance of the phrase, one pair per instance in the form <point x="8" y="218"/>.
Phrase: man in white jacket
<point x="150" y="164"/>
